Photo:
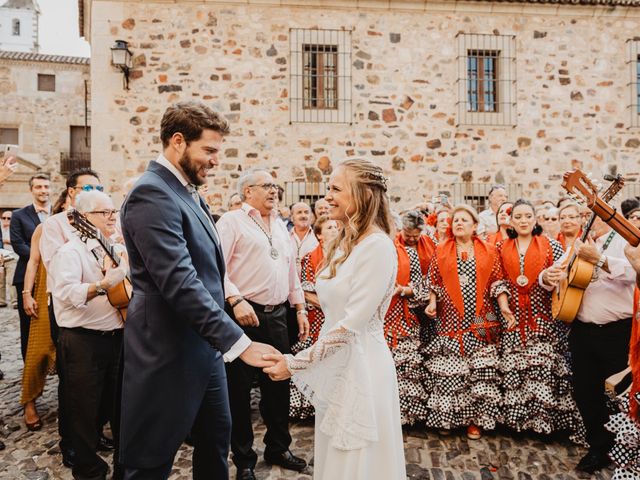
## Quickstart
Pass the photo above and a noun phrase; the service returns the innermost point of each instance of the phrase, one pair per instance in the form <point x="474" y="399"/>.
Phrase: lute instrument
<point x="577" y="184"/>
<point x="120" y="294"/>
<point x="567" y="297"/>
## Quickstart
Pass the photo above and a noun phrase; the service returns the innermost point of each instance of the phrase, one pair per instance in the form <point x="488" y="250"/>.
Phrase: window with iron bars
<point x="320" y="76"/>
<point x="308" y="192"/>
<point x="634" y="82"/>
<point x="486" y="79"/>
<point x="476" y="194"/>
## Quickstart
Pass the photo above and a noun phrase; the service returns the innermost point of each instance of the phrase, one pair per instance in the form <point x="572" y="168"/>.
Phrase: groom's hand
<point x="254" y="354"/>
<point x="278" y="370"/>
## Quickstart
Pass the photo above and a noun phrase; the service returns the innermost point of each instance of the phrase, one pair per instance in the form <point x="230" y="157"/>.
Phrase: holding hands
<point x="272" y="362"/>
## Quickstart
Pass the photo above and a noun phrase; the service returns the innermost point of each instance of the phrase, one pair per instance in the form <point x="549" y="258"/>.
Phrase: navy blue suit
<point x="176" y="329"/>
<point x="23" y="223"/>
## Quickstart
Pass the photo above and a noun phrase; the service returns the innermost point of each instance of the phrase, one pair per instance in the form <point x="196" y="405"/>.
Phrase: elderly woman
<point x="90" y="338"/>
<point x="443" y="222"/>
<point x="570" y="224"/>
<point x="402" y="323"/>
<point x="462" y="359"/>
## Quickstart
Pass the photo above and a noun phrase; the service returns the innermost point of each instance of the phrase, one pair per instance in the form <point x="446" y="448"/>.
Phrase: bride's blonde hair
<point x="368" y="187"/>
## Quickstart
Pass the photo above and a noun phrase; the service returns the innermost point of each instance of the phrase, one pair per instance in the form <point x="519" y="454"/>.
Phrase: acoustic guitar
<point x="567" y="297"/>
<point x="120" y="294"/>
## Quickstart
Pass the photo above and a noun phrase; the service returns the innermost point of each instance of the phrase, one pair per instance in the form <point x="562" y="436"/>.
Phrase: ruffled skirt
<point x="536" y="381"/>
<point x="299" y="407"/>
<point x="411" y="375"/>
<point x="464" y="389"/>
<point x="626" y="449"/>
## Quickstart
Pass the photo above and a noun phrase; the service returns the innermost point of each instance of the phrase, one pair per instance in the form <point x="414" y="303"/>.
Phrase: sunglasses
<point x="89" y="188"/>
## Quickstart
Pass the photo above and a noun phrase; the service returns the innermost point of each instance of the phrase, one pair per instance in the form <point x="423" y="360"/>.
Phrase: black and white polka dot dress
<point x="402" y="332"/>
<point x="534" y="365"/>
<point x="626" y="449"/>
<point x="463" y="380"/>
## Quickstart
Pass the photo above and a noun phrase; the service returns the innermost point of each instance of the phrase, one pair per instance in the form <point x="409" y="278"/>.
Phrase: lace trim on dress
<point x="334" y="375"/>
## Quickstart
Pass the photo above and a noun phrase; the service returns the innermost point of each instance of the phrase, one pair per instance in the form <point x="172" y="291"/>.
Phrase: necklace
<point x="522" y="279"/>
<point x="273" y="251"/>
<point x="464" y="253"/>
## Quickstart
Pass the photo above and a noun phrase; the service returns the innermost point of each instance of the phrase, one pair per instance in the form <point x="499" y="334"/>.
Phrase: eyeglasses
<point x="266" y="186"/>
<point x="569" y="217"/>
<point x="89" y="188"/>
<point x="106" y="213"/>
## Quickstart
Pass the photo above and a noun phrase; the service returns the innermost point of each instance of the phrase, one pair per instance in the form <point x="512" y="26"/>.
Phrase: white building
<point x="19" y="25"/>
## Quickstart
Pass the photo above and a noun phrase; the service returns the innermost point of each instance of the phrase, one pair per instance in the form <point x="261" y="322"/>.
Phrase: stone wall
<point x="43" y="120"/>
<point x="572" y="92"/>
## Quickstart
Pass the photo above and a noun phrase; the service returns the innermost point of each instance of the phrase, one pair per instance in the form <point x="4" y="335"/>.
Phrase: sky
<point x="59" y="29"/>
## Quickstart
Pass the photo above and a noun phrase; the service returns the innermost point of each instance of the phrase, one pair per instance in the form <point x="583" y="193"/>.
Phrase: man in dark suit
<point x="23" y="222"/>
<point x="177" y="334"/>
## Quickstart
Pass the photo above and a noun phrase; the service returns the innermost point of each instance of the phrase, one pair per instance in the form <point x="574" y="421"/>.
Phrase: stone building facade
<point x="45" y="111"/>
<point x="447" y="96"/>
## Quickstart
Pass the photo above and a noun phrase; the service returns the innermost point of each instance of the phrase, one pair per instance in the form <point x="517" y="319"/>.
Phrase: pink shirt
<point x="251" y="272"/>
<point x="56" y="231"/>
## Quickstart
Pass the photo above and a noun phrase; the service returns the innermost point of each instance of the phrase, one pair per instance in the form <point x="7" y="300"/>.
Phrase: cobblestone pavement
<point x="430" y="456"/>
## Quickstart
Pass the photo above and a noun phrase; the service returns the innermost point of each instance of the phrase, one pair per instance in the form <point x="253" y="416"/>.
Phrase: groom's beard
<point x="189" y="169"/>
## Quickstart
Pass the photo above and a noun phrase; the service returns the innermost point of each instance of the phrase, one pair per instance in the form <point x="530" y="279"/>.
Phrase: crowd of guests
<point x="470" y="323"/>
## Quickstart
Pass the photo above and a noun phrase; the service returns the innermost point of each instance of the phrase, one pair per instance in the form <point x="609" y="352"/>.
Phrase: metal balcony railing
<point x="70" y="161"/>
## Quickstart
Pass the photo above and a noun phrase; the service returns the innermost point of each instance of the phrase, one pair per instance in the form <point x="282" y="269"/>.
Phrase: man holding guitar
<point x="599" y="338"/>
<point x="90" y="338"/>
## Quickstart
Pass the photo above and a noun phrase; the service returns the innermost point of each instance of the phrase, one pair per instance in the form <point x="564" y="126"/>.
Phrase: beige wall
<point x="572" y="91"/>
<point x="43" y="119"/>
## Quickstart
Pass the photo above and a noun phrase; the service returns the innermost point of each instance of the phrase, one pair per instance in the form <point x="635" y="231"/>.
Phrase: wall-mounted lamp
<point x="121" y="58"/>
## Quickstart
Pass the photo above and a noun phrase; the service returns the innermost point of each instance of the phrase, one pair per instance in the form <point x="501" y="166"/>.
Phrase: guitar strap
<point x="608" y="240"/>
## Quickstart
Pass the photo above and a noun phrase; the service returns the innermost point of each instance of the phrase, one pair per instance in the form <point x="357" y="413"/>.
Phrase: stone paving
<point x="430" y="456"/>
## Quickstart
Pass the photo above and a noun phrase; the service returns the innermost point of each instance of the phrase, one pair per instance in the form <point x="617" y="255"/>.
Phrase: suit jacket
<point x="23" y="222"/>
<point x="176" y="326"/>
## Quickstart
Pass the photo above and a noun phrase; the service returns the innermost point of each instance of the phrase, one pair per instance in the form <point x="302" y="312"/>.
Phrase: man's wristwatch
<point x="601" y="261"/>
<point x="302" y="311"/>
<point x="99" y="289"/>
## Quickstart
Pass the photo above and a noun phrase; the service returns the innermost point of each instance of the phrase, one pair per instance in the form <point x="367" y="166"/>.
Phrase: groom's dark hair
<point x="190" y="119"/>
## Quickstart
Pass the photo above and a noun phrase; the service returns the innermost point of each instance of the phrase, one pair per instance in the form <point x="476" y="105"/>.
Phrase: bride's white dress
<point x="349" y="374"/>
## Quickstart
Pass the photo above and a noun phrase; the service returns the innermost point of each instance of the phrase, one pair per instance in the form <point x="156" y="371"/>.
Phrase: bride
<point x="349" y="375"/>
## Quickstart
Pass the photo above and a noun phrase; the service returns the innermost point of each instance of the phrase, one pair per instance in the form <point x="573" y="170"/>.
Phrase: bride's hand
<point x="279" y="371"/>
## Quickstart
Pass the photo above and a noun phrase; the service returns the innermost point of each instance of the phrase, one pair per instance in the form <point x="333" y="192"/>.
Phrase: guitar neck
<point x="616" y="221"/>
<point x="108" y="247"/>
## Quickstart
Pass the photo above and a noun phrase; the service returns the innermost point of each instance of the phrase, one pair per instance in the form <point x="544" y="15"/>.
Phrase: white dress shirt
<point x="488" y="222"/>
<point x="303" y="246"/>
<point x="72" y="271"/>
<point x="244" y="341"/>
<point x="56" y="231"/>
<point x="609" y="297"/>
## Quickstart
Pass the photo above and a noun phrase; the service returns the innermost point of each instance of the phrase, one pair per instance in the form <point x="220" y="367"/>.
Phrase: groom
<point x="177" y="335"/>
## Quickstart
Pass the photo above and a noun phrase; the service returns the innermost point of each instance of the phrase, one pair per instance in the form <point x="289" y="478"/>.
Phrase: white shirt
<point x="609" y="297"/>
<point x="243" y="342"/>
<point x="302" y="247"/>
<point x="6" y="237"/>
<point x="72" y="271"/>
<point x="56" y="231"/>
<point x="488" y="223"/>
